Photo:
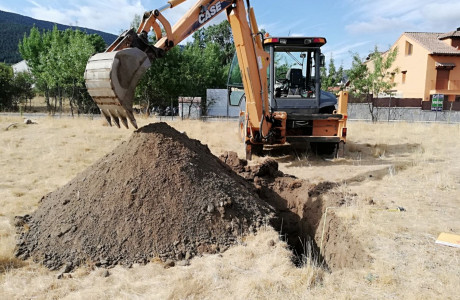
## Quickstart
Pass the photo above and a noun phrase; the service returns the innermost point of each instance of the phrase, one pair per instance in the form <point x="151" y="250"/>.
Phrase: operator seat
<point x="295" y="81"/>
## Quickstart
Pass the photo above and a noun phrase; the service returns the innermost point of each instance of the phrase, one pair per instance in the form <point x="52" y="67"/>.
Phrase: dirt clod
<point x="160" y="194"/>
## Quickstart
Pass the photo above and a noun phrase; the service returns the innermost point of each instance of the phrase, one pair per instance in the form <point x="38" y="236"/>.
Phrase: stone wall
<point x="360" y="111"/>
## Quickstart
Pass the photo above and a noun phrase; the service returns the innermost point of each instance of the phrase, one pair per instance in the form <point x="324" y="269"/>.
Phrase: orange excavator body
<point x="111" y="77"/>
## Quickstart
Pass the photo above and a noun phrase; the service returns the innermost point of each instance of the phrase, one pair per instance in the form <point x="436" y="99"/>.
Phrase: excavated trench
<point x="302" y="216"/>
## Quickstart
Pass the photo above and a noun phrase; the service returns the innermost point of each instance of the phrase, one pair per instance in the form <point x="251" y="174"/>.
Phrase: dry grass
<point x="414" y="166"/>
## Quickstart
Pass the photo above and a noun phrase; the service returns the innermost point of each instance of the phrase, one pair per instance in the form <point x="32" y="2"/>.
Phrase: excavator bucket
<point x="111" y="80"/>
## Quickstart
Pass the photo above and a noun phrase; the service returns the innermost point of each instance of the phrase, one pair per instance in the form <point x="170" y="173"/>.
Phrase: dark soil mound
<point x="160" y="194"/>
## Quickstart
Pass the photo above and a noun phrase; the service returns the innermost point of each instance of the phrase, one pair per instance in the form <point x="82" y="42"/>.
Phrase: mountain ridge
<point x="13" y="26"/>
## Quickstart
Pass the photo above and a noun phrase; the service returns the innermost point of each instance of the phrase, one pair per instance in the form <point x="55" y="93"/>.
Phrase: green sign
<point x="437" y="102"/>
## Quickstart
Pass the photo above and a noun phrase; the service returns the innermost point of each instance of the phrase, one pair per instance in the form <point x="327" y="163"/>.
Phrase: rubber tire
<point x="324" y="148"/>
<point x="327" y="110"/>
<point x="257" y="149"/>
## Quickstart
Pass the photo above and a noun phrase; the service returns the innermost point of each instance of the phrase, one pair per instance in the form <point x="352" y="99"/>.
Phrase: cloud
<point x="445" y="17"/>
<point x="376" y="25"/>
<point x="6" y="8"/>
<point x="341" y="52"/>
<point x="110" y="16"/>
<point x="341" y="49"/>
<point x="383" y="16"/>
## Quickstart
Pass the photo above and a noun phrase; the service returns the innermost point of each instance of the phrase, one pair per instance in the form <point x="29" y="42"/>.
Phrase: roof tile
<point x="431" y="41"/>
<point x="451" y="34"/>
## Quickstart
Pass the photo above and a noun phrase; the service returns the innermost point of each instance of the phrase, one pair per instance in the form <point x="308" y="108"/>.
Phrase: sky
<point x="350" y="26"/>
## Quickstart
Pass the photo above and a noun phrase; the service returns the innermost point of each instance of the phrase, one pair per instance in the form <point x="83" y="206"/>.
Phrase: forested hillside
<point x="13" y="27"/>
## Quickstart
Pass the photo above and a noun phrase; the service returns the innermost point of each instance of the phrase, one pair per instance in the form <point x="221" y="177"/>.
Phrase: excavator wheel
<point x="327" y="149"/>
<point x="251" y="149"/>
<point x="111" y="79"/>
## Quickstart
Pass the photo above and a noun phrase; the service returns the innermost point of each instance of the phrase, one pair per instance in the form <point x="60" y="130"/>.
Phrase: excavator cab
<point x="293" y="80"/>
<point x="294" y="75"/>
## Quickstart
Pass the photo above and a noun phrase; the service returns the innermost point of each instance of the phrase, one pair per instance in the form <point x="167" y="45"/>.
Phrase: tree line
<point x="57" y="60"/>
<point x="188" y="70"/>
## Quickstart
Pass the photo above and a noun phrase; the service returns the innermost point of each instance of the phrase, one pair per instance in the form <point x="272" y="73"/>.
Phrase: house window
<point x="409" y="48"/>
<point x="403" y="80"/>
<point x="442" y="79"/>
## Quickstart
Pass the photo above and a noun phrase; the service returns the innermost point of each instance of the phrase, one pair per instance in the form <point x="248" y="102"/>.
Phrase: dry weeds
<point x="386" y="166"/>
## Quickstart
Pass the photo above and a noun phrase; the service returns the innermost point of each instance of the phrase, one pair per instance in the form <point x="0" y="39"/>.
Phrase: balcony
<point x="451" y="88"/>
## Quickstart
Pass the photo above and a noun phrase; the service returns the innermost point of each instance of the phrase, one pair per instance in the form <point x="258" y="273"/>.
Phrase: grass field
<point x="385" y="166"/>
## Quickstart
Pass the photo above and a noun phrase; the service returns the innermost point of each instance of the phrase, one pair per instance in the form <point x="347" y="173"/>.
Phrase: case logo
<point x="209" y="13"/>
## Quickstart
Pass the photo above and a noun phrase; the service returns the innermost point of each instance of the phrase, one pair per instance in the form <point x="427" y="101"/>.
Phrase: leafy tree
<point x="22" y="88"/>
<point x="137" y="19"/>
<point x="373" y="77"/>
<point x="98" y="42"/>
<point x="78" y="48"/>
<point x="203" y="70"/>
<point x="221" y="35"/>
<point x="331" y="77"/>
<point x="162" y="83"/>
<point x="184" y="71"/>
<point x="6" y="76"/>
<point x="57" y="60"/>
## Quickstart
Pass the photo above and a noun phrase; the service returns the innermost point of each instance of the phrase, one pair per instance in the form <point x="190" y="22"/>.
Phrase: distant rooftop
<point x="452" y="34"/>
<point x="433" y="41"/>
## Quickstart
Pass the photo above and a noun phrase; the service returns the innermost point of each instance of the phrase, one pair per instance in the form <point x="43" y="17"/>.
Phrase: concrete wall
<point x="356" y="111"/>
<point x="189" y="107"/>
<point x="359" y="111"/>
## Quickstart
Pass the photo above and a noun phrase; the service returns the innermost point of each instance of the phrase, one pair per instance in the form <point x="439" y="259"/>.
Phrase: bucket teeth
<point x="125" y="122"/>
<point x="131" y="119"/>
<point x="134" y="123"/>
<point x="116" y="120"/>
<point x="107" y="117"/>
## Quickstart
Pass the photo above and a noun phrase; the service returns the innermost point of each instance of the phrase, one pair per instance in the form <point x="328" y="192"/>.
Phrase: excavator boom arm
<point x="111" y="77"/>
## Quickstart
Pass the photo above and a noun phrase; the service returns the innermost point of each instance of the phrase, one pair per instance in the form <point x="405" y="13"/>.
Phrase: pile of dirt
<point x="160" y="194"/>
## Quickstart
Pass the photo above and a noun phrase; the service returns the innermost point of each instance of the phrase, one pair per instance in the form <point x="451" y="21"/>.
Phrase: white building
<point x="218" y="104"/>
<point x="20" y="67"/>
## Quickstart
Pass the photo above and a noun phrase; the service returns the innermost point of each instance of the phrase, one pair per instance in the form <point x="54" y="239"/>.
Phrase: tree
<point x="373" y="77"/>
<point x="22" y="88"/>
<point x="203" y="70"/>
<point x="57" y="60"/>
<point x="137" y="19"/>
<point x="185" y="71"/>
<point x="331" y="77"/>
<point x="98" y="42"/>
<point x="163" y="82"/>
<point x="6" y="76"/>
<point x="221" y="35"/>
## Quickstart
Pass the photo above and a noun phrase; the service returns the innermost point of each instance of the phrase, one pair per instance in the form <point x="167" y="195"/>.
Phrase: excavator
<point x="276" y="79"/>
